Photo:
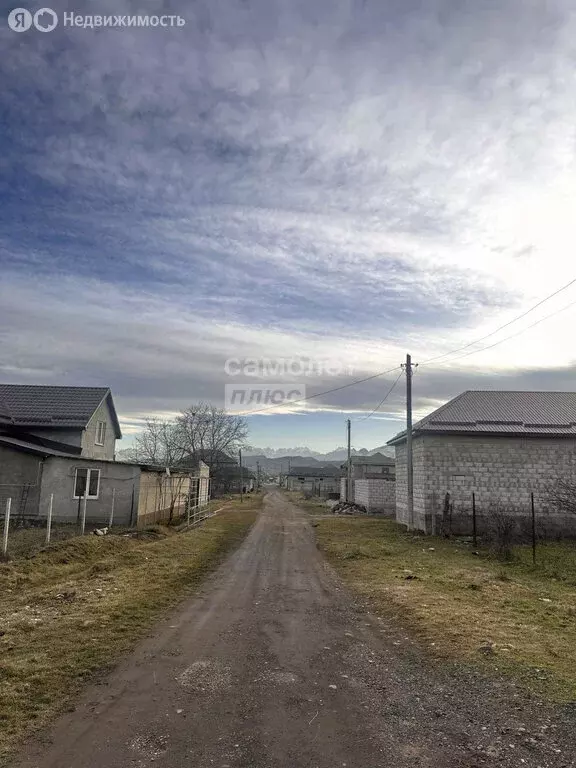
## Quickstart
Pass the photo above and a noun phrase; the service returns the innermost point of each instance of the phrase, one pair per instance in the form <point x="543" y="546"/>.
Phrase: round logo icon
<point x="19" y="20"/>
<point x="45" y="20"/>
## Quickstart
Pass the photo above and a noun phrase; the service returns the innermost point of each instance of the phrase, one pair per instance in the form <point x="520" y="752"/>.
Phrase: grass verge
<point x="73" y="609"/>
<point x="506" y="616"/>
<point x="314" y="505"/>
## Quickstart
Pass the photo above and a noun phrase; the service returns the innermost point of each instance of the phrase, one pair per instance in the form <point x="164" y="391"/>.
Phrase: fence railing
<point x="22" y="535"/>
<point x="528" y="519"/>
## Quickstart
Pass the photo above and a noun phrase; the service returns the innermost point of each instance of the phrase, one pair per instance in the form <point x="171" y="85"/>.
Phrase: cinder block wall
<point x="500" y="470"/>
<point x="58" y="478"/>
<point x="419" y="483"/>
<point x="377" y="495"/>
<point x="17" y="471"/>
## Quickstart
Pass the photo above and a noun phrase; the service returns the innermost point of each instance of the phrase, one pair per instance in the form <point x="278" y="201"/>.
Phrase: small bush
<point x="501" y="530"/>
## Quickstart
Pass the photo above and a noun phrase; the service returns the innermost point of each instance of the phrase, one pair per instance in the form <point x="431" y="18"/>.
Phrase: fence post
<point x="474" y="538"/>
<point x="49" y="520"/>
<point x="83" y="520"/>
<point x="111" y="520"/>
<point x="533" y="529"/>
<point x="6" y="527"/>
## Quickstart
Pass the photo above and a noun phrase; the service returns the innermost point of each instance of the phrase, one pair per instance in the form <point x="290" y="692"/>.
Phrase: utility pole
<point x="257" y="475"/>
<point x="409" y="464"/>
<point x="349" y="466"/>
<point x="241" y="476"/>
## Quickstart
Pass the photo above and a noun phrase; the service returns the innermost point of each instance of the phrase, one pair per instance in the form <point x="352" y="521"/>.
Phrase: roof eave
<point x="401" y="438"/>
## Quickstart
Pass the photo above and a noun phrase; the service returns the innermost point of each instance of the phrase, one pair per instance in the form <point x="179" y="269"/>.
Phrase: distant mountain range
<point x="278" y="459"/>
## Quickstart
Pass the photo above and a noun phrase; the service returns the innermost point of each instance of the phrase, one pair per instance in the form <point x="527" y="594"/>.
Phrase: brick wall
<point x="377" y="495"/>
<point x="501" y="470"/>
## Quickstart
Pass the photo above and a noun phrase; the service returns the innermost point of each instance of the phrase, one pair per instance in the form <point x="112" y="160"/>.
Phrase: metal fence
<point x="22" y="533"/>
<point x="528" y="519"/>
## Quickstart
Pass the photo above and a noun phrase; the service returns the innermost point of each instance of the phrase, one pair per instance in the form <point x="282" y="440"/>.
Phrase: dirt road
<point x="273" y="664"/>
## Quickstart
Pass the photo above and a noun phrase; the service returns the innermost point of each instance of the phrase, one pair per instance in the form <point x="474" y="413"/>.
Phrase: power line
<point x="510" y="322"/>
<point x="512" y="336"/>
<point x="386" y="396"/>
<point x="320" y="394"/>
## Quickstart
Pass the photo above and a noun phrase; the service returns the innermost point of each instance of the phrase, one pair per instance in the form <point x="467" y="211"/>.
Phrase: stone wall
<point x="499" y="470"/>
<point x="377" y="495"/>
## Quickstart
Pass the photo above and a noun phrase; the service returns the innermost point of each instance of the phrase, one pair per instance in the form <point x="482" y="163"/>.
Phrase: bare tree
<point x="159" y="444"/>
<point x="209" y="433"/>
<point x="562" y="495"/>
<point x="208" y="430"/>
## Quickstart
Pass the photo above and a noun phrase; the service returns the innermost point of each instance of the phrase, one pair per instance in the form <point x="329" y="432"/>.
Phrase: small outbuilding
<point x="318" y="481"/>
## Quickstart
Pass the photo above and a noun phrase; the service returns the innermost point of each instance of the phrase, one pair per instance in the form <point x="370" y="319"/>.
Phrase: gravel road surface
<point x="274" y="664"/>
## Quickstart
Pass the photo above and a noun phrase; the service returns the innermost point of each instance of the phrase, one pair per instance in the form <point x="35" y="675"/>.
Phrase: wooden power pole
<point x="349" y="465"/>
<point x="241" y="476"/>
<point x="409" y="463"/>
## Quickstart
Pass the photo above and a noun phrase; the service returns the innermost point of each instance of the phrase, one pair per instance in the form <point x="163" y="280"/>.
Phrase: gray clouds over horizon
<point x="354" y="178"/>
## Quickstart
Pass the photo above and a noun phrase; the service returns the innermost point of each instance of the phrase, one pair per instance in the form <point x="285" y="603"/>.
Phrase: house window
<point x="100" y="432"/>
<point x="90" y="476"/>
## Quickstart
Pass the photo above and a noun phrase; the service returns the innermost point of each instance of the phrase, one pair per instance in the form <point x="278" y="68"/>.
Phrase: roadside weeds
<point x="508" y="617"/>
<point x="70" y="612"/>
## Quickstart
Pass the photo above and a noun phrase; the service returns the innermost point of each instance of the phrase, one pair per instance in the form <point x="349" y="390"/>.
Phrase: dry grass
<point x="522" y="617"/>
<point x="70" y="611"/>
<point x="314" y="506"/>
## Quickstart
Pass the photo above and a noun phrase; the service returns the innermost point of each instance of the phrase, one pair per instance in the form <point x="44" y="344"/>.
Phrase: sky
<point x="341" y="181"/>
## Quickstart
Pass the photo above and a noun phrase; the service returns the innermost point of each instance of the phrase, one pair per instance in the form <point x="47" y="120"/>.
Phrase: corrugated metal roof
<point x="377" y="459"/>
<point x="314" y="472"/>
<point x="30" y="405"/>
<point x="521" y="413"/>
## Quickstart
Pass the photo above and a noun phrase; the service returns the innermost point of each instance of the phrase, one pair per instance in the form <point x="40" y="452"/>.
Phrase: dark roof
<point x="376" y="460"/>
<point x="315" y="472"/>
<point x="546" y="414"/>
<point x="25" y="446"/>
<point x="38" y="449"/>
<point x="30" y="405"/>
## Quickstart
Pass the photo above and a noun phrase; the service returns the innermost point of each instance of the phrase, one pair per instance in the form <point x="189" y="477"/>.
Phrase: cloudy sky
<point x="343" y="180"/>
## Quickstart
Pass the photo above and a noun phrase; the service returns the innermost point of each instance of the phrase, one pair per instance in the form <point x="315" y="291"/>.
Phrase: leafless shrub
<point x="501" y="529"/>
<point x="562" y="495"/>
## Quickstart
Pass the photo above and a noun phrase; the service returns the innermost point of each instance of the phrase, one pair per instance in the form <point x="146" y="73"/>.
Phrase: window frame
<point x="88" y="471"/>
<point x="100" y="427"/>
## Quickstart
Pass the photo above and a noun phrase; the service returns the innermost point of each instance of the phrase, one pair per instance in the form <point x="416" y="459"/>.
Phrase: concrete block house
<point x="318" y="481"/>
<point x="500" y="445"/>
<point x="61" y="440"/>
<point x="373" y="483"/>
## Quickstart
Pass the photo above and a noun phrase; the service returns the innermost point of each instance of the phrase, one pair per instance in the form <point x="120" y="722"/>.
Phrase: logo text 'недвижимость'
<point x="46" y="20"/>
